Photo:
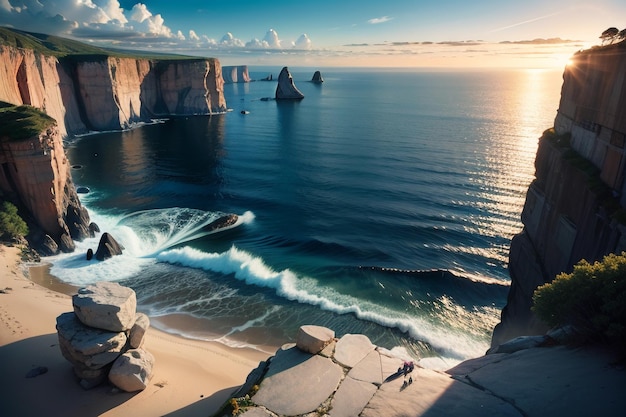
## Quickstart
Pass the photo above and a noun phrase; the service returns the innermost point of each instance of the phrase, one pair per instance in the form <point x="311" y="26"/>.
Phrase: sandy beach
<point x="191" y="378"/>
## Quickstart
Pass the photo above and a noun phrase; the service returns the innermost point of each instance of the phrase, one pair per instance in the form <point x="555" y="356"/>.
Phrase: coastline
<point x="191" y="377"/>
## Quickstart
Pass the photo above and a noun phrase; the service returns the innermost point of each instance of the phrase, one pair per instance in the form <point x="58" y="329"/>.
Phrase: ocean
<point x="383" y="203"/>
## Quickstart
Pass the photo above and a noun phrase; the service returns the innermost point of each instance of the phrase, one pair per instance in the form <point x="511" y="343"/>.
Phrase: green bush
<point x="11" y="224"/>
<point x="592" y="298"/>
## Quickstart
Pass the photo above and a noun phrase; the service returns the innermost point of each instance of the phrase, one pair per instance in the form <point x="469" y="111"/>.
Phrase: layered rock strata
<point x="35" y="172"/>
<point x="103" y="338"/>
<point x="235" y="74"/>
<point x="574" y="208"/>
<point x="109" y="93"/>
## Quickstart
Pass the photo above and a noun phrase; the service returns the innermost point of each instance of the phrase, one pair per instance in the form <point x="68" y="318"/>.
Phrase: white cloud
<point x="378" y="20"/>
<point x="106" y="22"/>
<point x="229" y="40"/>
<point x="271" y="37"/>
<point x="303" y="42"/>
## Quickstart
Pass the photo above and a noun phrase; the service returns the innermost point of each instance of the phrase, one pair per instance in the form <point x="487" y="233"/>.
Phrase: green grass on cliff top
<point x="62" y="47"/>
<point x="22" y="122"/>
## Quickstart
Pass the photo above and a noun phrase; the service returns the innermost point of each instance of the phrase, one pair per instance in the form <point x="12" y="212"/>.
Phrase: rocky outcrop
<point x="107" y="247"/>
<point x="103" y="337"/>
<point x="35" y="172"/>
<point x="109" y="93"/>
<point x="286" y="89"/>
<point x="525" y="381"/>
<point x="235" y="74"/>
<point x="317" y="77"/>
<point x="574" y="207"/>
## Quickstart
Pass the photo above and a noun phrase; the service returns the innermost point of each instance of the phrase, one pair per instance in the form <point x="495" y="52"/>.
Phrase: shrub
<point x="592" y="298"/>
<point x="11" y="224"/>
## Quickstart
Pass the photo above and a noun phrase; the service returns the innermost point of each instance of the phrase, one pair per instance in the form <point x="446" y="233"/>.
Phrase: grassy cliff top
<point x="22" y="122"/>
<point x="63" y="47"/>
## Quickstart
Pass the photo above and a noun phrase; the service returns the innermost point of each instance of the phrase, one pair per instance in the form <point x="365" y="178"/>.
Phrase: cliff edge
<point x="65" y="88"/>
<point x="575" y="207"/>
<point x="36" y="173"/>
<point x="104" y="91"/>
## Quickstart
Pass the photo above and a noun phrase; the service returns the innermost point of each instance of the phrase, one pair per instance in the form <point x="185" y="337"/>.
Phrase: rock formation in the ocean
<point x="107" y="247"/>
<point x="575" y="207"/>
<point x="35" y="173"/>
<point x="104" y="336"/>
<point x="286" y="89"/>
<point x="104" y="92"/>
<point x="235" y="74"/>
<point x="317" y="77"/>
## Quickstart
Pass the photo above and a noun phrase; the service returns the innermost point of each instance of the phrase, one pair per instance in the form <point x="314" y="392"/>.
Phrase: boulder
<point x="313" y="339"/>
<point x="222" y="222"/>
<point x="106" y="305"/>
<point x="132" y="371"/>
<point x="88" y="347"/>
<point x="138" y="331"/>
<point x="286" y="89"/>
<point x="93" y="229"/>
<point x="108" y="247"/>
<point x="89" y="255"/>
<point x="317" y="77"/>
<point x="352" y="348"/>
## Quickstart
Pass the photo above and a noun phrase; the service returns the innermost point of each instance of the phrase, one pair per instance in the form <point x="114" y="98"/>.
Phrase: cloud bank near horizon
<point x="106" y="22"/>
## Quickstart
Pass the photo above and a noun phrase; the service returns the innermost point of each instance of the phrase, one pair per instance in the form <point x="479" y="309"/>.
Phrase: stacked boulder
<point x="103" y="337"/>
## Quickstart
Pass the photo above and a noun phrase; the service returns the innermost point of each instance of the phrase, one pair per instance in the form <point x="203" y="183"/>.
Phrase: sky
<point x="333" y="33"/>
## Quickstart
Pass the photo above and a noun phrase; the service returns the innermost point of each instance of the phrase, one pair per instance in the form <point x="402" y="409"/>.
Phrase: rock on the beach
<point x="138" y="331"/>
<point x="352" y="348"/>
<point x="132" y="371"/>
<point x="313" y="339"/>
<point x="89" y="347"/>
<point x="297" y="383"/>
<point x="286" y="89"/>
<point x="351" y="397"/>
<point x="107" y="247"/>
<point x="106" y="305"/>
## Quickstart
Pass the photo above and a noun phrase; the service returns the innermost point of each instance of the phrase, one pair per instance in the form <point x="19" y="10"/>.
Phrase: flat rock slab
<point x="556" y="381"/>
<point x="297" y="383"/>
<point x="256" y="412"/>
<point x="352" y="349"/>
<point x="433" y="394"/>
<point x="471" y="365"/>
<point x="375" y="368"/>
<point x="106" y="305"/>
<point x="351" y="397"/>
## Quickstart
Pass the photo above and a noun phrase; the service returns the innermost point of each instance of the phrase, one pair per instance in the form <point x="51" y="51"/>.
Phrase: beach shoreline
<point x="191" y="377"/>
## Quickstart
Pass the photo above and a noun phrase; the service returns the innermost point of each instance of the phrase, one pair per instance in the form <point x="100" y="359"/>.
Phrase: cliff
<point x="79" y="88"/>
<point x="574" y="208"/>
<point x="36" y="173"/>
<point x="236" y="74"/>
<point x="104" y="92"/>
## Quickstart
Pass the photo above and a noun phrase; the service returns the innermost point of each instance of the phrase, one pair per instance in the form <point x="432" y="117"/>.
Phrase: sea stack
<point x="317" y="77"/>
<point x="286" y="89"/>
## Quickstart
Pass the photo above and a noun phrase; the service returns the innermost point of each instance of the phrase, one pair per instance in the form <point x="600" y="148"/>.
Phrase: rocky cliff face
<point x="36" y="172"/>
<point x="236" y="74"/>
<point x="575" y="206"/>
<point x="105" y="93"/>
<point x="82" y="93"/>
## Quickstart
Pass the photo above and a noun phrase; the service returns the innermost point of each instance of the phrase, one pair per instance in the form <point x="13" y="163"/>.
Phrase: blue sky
<point x="392" y="33"/>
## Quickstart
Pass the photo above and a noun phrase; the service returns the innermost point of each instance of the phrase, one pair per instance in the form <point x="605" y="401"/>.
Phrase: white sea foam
<point x="253" y="271"/>
<point x="142" y="235"/>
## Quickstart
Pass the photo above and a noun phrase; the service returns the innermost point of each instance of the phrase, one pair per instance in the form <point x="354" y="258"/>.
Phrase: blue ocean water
<point x="382" y="203"/>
